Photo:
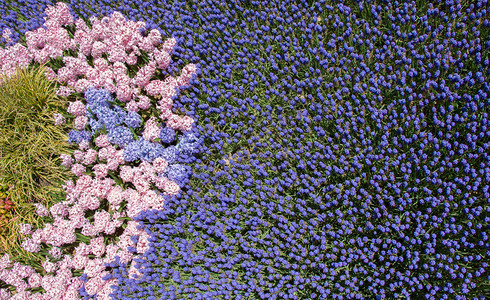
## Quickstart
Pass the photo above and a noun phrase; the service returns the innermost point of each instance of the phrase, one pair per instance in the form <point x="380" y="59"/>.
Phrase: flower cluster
<point x="345" y="152"/>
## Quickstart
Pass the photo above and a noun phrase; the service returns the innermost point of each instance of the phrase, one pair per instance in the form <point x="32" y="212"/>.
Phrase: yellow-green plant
<point x="30" y="147"/>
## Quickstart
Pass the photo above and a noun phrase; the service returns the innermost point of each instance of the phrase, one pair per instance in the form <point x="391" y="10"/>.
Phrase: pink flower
<point x="152" y="130"/>
<point x="41" y="210"/>
<point x="110" y="228"/>
<point x="78" y="155"/>
<point x="90" y="157"/>
<point x="31" y="246"/>
<point x="144" y="75"/>
<point x="76" y="216"/>
<point x="67" y="160"/>
<point x="94" y="267"/>
<point x="51" y="75"/>
<point x="141" y="184"/>
<point x="115" y="196"/>
<point x="131" y="106"/>
<point x="78" y="169"/>
<point x="59" y="210"/>
<point x="55" y="252"/>
<point x="81" y="122"/>
<point x="169" y="44"/>
<point x="5" y="262"/>
<point x="34" y="280"/>
<point x="172" y="188"/>
<point x="49" y="267"/>
<point x="107" y="152"/>
<point x="112" y="164"/>
<point x="98" y="48"/>
<point x="101" y="219"/>
<point x="6" y="34"/>
<point x="81" y="85"/>
<point x="58" y="119"/>
<point x="162" y="59"/>
<point x="155" y="87"/>
<point x="89" y="202"/>
<point x="76" y="108"/>
<point x="93" y="285"/>
<point x="83" y="145"/>
<point x="25" y="229"/>
<point x="66" y="74"/>
<point x="102" y="141"/>
<point x="144" y="102"/>
<point x="88" y="230"/>
<point x="60" y="14"/>
<point x="80" y="261"/>
<point x="100" y="170"/>
<point x="187" y="73"/>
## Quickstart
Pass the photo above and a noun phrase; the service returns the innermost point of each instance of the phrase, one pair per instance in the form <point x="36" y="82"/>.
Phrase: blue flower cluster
<point x="345" y="152"/>
<point x="77" y="136"/>
<point x="167" y="135"/>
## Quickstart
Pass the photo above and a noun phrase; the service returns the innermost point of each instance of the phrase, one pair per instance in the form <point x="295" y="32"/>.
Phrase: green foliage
<point x="30" y="146"/>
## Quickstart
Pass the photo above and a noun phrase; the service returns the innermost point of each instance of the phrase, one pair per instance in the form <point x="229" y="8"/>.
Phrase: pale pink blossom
<point x="131" y="106"/>
<point x="101" y="219"/>
<point x="55" y="252"/>
<point x="89" y="230"/>
<point x="116" y="196"/>
<point x="93" y="285"/>
<point x="58" y="119"/>
<point x="100" y="170"/>
<point x="25" y="229"/>
<point x="107" y="152"/>
<point x="90" y="157"/>
<point x="49" y="267"/>
<point x="31" y="246"/>
<point x="6" y="34"/>
<point x="124" y="92"/>
<point x="152" y="130"/>
<point x="76" y="108"/>
<point x="59" y="14"/>
<point x="94" y="267"/>
<point x="162" y="59"/>
<point x="5" y="262"/>
<point x="110" y="228"/>
<point x="172" y="188"/>
<point x="144" y="102"/>
<point x="112" y="164"/>
<point x="77" y="169"/>
<point x="169" y="45"/>
<point x="144" y="75"/>
<point x="80" y="261"/>
<point x="80" y="122"/>
<point x="64" y="91"/>
<point x="102" y="141"/>
<point x="83" y="145"/>
<point x="34" y="280"/>
<point x="78" y="155"/>
<point x="59" y="210"/>
<point x="41" y="209"/>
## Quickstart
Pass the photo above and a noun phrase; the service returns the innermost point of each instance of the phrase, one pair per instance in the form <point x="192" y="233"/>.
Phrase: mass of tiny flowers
<point x="115" y="182"/>
<point x="344" y="153"/>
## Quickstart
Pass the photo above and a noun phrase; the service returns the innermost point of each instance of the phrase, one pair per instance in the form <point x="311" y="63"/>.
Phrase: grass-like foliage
<point x="30" y="146"/>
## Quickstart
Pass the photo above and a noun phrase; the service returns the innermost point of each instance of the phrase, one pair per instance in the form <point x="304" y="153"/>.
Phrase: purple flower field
<point x="261" y="150"/>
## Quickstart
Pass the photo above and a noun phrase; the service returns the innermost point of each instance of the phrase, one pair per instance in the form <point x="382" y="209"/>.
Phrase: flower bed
<point x="345" y="152"/>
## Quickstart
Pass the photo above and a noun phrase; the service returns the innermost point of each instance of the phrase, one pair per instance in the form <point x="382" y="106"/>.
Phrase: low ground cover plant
<point x="338" y="150"/>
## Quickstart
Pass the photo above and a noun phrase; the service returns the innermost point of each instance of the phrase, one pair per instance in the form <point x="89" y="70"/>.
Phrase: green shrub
<point x="30" y="147"/>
